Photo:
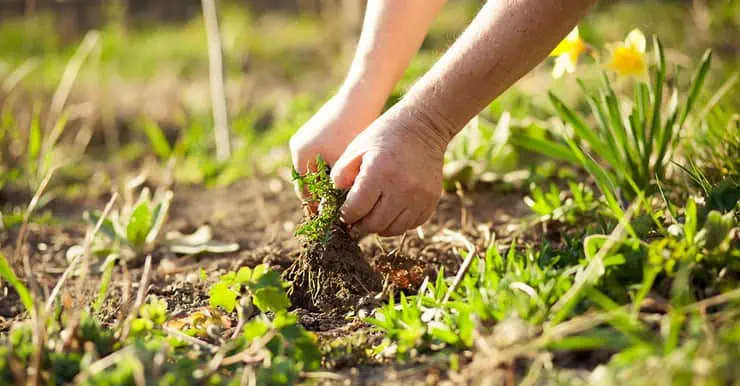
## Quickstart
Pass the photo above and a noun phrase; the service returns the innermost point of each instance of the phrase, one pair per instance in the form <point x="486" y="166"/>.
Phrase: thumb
<point x="345" y="170"/>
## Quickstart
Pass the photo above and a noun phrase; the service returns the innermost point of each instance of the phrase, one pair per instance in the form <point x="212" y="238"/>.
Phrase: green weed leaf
<point x="267" y="290"/>
<point x="221" y="295"/>
<point x="139" y="225"/>
<point x="157" y="139"/>
<point x="715" y="231"/>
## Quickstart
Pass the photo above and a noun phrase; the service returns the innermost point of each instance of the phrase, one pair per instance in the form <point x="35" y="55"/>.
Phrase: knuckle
<point x="384" y="167"/>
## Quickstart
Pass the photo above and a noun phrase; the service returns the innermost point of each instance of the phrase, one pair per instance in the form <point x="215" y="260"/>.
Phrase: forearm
<point x="505" y="41"/>
<point x="392" y="33"/>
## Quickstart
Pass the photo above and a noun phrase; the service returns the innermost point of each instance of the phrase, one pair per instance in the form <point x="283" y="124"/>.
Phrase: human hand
<point x="394" y="169"/>
<point x="330" y="130"/>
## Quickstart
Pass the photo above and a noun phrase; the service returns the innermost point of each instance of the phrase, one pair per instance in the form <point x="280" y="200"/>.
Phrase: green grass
<point x="630" y="256"/>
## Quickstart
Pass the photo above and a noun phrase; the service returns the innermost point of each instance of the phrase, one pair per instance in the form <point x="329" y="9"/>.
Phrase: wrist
<point x="438" y="125"/>
<point x="424" y="122"/>
<point x="367" y="85"/>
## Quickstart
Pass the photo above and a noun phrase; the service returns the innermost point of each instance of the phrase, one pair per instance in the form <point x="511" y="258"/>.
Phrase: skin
<point x="392" y="163"/>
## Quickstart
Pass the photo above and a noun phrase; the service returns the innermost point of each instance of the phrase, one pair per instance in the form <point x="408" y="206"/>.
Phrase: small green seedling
<point x="151" y="315"/>
<point x="262" y="285"/>
<point x="135" y="229"/>
<point x="563" y="206"/>
<point x="321" y="190"/>
<point x="137" y="224"/>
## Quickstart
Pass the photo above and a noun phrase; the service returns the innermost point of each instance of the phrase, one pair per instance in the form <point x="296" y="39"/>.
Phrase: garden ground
<point x="587" y="237"/>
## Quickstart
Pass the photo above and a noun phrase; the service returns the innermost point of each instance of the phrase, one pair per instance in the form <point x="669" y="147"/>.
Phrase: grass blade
<point x="657" y="94"/>
<point x="157" y="139"/>
<point x="619" y="131"/>
<point x="603" y="121"/>
<point x="109" y="264"/>
<point x="622" y="320"/>
<point x="666" y="137"/>
<point x="697" y="82"/>
<point x="604" y="180"/>
<point x="34" y="142"/>
<point x="7" y="273"/>
<point x="545" y="147"/>
<point x="581" y="129"/>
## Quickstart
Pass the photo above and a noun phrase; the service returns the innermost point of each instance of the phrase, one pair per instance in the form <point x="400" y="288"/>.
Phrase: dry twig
<point x="139" y="298"/>
<point x="218" y="84"/>
<point x="87" y="246"/>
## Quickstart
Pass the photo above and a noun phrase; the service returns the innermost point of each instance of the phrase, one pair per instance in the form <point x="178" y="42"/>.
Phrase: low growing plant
<point x="260" y="286"/>
<point x="136" y="224"/>
<point x="564" y="206"/>
<point x="480" y="153"/>
<point x="518" y="285"/>
<point x="78" y="349"/>
<point x="27" y="156"/>
<point x="135" y="228"/>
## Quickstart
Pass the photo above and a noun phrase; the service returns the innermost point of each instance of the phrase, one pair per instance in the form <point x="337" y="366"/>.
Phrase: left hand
<point x="394" y="169"/>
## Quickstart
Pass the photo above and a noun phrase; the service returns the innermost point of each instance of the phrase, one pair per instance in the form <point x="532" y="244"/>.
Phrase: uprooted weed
<point x="330" y="272"/>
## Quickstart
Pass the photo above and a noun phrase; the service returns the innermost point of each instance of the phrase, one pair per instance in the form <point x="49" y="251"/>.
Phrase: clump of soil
<point x="333" y="275"/>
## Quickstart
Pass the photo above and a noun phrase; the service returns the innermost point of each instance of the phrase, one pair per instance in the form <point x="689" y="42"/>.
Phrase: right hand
<point x="330" y="130"/>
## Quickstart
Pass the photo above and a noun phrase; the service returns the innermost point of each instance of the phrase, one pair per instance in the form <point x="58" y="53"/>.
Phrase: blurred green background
<point x="282" y="58"/>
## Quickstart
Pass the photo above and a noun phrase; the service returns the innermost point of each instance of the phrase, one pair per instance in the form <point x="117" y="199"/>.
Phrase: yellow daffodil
<point x="567" y="53"/>
<point x="628" y="57"/>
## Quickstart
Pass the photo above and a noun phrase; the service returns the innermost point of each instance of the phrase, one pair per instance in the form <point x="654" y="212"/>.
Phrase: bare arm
<point x="394" y="167"/>
<point x="505" y="41"/>
<point x="392" y="33"/>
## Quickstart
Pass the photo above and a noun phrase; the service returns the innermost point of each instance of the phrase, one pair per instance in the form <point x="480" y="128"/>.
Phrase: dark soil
<point x="331" y="277"/>
<point x="261" y="215"/>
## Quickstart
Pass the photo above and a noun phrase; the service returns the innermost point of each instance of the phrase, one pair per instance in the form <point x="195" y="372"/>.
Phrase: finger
<point x="345" y="170"/>
<point x="401" y="224"/>
<point x="361" y="198"/>
<point x="381" y="217"/>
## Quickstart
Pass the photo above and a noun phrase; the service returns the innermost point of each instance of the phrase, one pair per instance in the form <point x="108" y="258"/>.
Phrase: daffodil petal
<point x="558" y="71"/>
<point x="574" y="34"/>
<point x="567" y="44"/>
<point x="563" y="64"/>
<point x="636" y="39"/>
<point x="562" y="48"/>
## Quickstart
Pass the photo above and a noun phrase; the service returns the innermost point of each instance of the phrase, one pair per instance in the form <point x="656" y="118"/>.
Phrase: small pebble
<point x="192" y="277"/>
<point x="275" y="186"/>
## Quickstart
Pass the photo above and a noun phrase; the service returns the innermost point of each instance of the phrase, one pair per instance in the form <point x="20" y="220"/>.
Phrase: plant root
<point x="332" y="275"/>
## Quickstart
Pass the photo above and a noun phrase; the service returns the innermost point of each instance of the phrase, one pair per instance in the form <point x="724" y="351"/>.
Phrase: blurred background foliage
<point x="282" y="59"/>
